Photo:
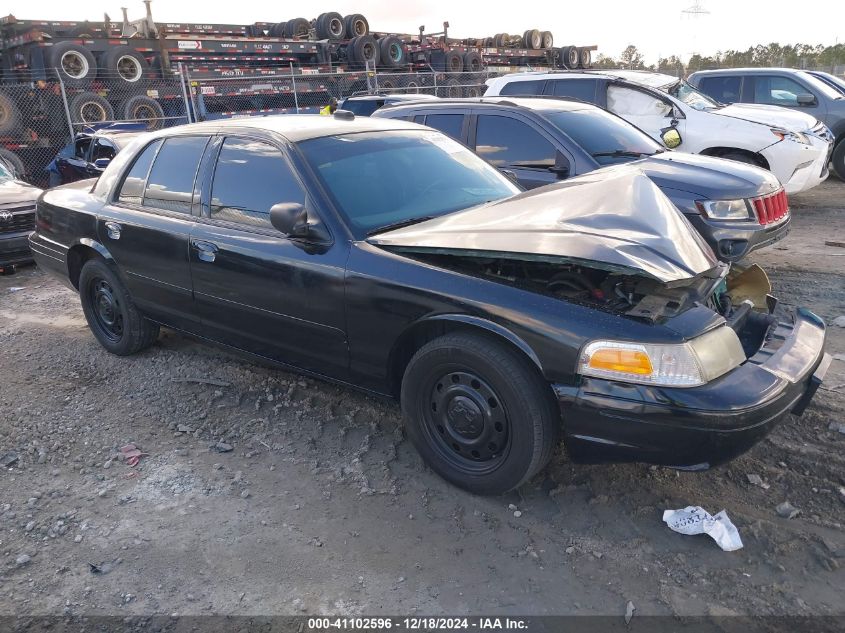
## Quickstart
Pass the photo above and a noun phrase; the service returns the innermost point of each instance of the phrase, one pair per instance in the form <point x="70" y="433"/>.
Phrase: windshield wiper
<point x="620" y="152"/>
<point x="399" y="225"/>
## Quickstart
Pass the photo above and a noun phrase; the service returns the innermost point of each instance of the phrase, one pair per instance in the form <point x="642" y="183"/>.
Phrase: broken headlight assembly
<point x="786" y="135"/>
<point x="688" y="364"/>
<point x="724" y="209"/>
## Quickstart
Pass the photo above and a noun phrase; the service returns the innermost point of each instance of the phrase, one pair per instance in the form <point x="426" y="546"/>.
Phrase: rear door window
<point x="583" y="89"/>
<point x="132" y="189"/>
<point x="170" y="185"/>
<point x="722" y="89"/>
<point x="523" y="87"/>
<point x="509" y="142"/>
<point x="250" y="177"/>
<point x="450" y="124"/>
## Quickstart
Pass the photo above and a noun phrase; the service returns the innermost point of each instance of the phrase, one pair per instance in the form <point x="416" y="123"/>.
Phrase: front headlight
<point x="689" y="364"/>
<point x="798" y="137"/>
<point x="724" y="209"/>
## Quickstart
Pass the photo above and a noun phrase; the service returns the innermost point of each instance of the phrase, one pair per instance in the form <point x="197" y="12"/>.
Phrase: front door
<point x="255" y="288"/>
<point x="148" y="235"/>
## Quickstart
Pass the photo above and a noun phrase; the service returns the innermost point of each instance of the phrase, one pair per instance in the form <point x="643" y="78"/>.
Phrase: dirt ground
<point x="318" y="503"/>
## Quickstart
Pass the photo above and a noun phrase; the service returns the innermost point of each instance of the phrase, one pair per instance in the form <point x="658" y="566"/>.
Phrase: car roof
<point x="294" y="127"/>
<point x="655" y="80"/>
<point x="561" y="104"/>
<point x="396" y="97"/>
<point x="733" y="71"/>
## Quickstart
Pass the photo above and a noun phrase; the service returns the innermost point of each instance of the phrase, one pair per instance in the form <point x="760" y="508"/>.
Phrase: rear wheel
<point x="837" y="160"/>
<point x="479" y="414"/>
<point x="112" y="316"/>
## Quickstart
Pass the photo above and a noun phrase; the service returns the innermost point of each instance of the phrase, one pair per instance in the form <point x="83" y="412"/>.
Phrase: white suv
<point x="793" y="145"/>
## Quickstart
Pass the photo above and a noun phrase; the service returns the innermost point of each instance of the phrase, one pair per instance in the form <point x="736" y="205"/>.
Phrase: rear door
<point x="510" y="141"/>
<point x="581" y="89"/>
<point x="147" y="225"/>
<point x="255" y="288"/>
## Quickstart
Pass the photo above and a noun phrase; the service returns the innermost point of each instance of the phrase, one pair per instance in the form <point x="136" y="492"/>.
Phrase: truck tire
<point x="278" y="29"/>
<point x="837" y="160"/>
<point x="500" y="40"/>
<point x="453" y="62"/>
<point x="330" y="26"/>
<point x="364" y="49"/>
<point x="74" y="63"/>
<point x="10" y="114"/>
<point x="14" y="162"/>
<point x="392" y="51"/>
<point x="569" y="57"/>
<point x="88" y="107"/>
<point x="298" y="27"/>
<point x="122" y="65"/>
<point x="111" y="314"/>
<point x="585" y="58"/>
<point x="145" y="109"/>
<point x="356" y="25"/>
<point x="548" y="39"/>
<point x="532" y="39"/>
<point x="451" y="89"/>
<point x="472" y="62"/>
<point x="480" y="415"/>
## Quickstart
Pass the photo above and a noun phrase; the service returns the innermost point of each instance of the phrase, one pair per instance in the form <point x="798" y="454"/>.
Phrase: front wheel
<point x="479" y="414"/>
<point x="837" y="160"/>
<point x="112" y="316"/>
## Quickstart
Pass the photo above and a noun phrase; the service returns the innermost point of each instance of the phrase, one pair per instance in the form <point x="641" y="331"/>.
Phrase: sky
<point x="657" y="27"/>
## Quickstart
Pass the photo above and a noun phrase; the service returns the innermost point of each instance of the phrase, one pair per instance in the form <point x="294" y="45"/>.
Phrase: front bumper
<point x="14" y="248"/>
<point x="799" y="167"/>
<point x="731" y="241"/>
<point x="699" y="427"/>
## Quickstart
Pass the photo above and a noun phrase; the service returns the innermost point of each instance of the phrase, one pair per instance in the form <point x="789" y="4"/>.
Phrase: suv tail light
<point x="771" y="209"/>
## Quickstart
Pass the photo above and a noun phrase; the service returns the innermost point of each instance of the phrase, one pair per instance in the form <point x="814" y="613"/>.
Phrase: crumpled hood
<point x="708" y="177"/>
<point x="773" y="116"/>
<point x="616" y="217"/>
<point x="15" y="191"/>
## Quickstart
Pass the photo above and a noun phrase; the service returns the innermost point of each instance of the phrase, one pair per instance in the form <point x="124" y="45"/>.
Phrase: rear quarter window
<point x="523" y="87"/>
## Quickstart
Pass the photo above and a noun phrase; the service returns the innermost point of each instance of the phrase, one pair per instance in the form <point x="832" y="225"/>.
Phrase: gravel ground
<point x="261" y="492"/>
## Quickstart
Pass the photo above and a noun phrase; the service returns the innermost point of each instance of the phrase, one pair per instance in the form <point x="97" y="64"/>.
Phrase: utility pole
<point x="694" y="13"/>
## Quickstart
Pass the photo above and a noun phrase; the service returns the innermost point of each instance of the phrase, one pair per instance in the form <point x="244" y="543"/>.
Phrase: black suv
<point x="736" y="207"/>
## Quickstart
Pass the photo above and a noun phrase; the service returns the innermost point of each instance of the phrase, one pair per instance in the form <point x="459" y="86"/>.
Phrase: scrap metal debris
<point x="787" y="510"/>
<point x="696" y="520"/>
<point x="132" y="454"/>
<point x="8" y="459"/>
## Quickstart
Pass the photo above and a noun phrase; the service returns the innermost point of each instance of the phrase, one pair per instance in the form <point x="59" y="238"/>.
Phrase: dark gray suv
<point x="736" y="207"/>
<point x="785" y="87"/>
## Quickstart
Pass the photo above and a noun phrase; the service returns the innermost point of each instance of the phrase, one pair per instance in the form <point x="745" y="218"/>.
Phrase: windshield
<point x="5" y="172"/>
<point x="607" y="138"/>
<point x="381" y="179"/>
<point x="692" y="97"/>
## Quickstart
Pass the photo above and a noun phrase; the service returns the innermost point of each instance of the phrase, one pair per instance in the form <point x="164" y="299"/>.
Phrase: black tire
<point x="356" y="25"/>
<point x="548" y="40"/>
<point x="111" y="314"/>
<point x="451" y="89"/>
<point x="365" y="49"/>
<point x="741" y="157"/>
<point x="143" y="108"/>
<point x="88" y="107"/>
<point x="298" y="27"/>
<point x="472" y="62"/>
<point x="123" y="65"/>
<point x="392" y="52"/>
<point x="837" y="160"/>
<point x="585" y="58"/>
<point x="569" y="57"/>
<point x="532" y="39"/>
<point x="479" y="414"/>
<point x="278" y="29"/>
<point x="330" y="26"/>
<point x="14" y="162"/>
<point x="10" y="114"/>
<point x="74" y="63"/>
<point x="453" y="62"/>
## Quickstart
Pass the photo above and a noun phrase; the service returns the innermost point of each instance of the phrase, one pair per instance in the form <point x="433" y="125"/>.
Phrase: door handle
<point x="206" y="251"/>
<point x="113" y="230"/>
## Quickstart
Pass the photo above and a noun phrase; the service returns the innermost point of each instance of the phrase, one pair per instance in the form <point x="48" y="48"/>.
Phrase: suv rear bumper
<point x="699" y="427"/>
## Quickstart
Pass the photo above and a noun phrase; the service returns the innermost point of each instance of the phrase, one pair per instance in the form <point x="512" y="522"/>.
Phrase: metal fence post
<point x="293" y="81"/>
<point x="184" y="93"/>
<point x="67" y="107"/>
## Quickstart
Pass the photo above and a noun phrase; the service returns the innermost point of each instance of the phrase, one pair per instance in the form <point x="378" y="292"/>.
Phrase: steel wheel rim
<point x="358" y="27"/>
<point x="90" y="108"/>
<point x="336" y="28"/>
<point x="74" y="65"/>
<point x="395" y="52"/>
<point x="465" y="421"/>
<point x="146" y="114"/>
<point x="128" y="68"/>
<point x="107" y="311"/>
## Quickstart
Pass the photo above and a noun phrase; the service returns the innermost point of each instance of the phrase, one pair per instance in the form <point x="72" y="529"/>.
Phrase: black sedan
<point x="386" y="256"/>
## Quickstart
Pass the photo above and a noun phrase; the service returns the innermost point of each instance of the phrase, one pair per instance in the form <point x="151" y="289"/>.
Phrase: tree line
<point x="774" y="54"/>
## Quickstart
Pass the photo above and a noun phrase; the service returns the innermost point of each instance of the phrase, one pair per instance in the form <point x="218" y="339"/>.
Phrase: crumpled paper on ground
<point x="696" y="520"/>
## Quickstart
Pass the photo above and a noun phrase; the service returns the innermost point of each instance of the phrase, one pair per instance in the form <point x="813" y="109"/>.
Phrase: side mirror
<point x="102" y="163"/>
<point x="561" y="167"/>
<point x="671" y="137"/>
<point x="805" y="99"/>
<point x="289" y="218"/>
